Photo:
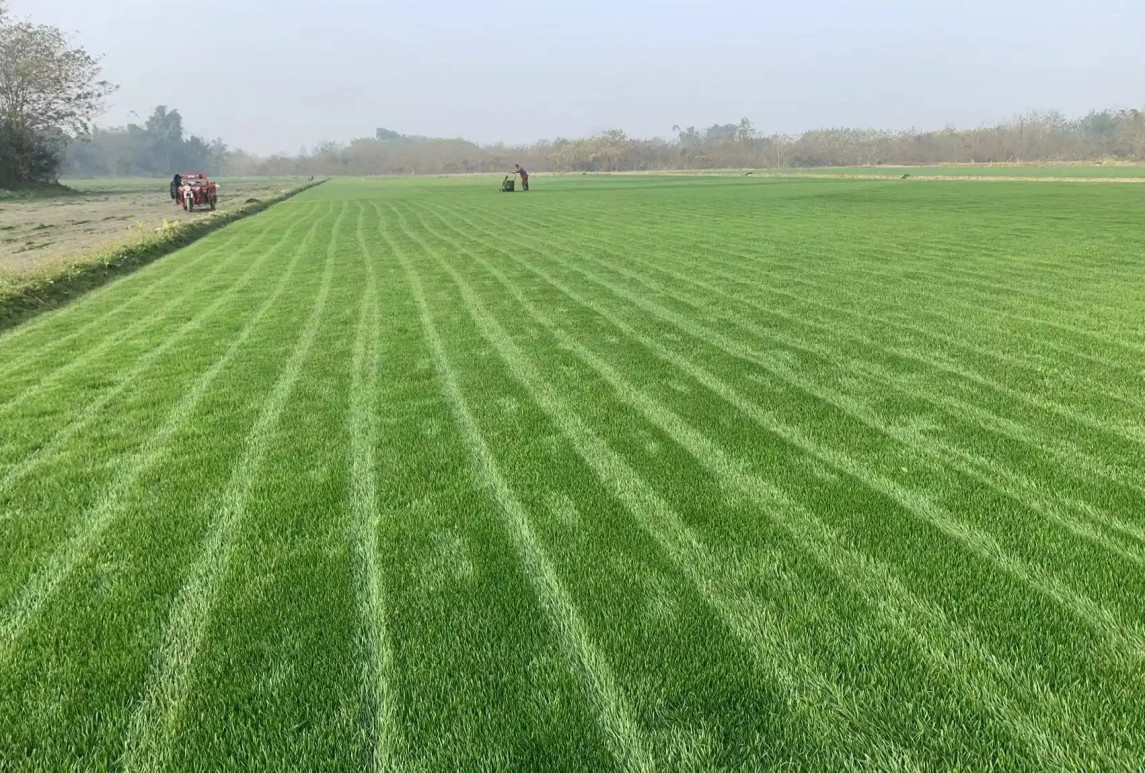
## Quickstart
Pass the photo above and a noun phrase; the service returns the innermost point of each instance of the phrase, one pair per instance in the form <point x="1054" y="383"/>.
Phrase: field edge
<point x="33" y="294"/>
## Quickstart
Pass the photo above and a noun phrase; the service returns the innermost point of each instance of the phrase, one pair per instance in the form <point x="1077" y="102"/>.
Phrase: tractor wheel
<point x="214" y="202"/>
<point x="190" y="205"/>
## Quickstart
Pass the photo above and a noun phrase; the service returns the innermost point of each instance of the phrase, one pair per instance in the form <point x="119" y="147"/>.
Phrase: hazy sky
<point x="273" y="75"/>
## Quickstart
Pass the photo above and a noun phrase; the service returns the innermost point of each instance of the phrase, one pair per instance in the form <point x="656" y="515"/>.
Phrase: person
<point x="524" y="177"/>
<point x="175" y="183"/>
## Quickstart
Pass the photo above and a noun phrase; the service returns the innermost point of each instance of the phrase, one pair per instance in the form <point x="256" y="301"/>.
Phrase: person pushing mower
<point x="524" y="177"/>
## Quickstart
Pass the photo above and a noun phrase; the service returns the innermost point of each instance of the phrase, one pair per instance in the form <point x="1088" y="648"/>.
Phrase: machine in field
<point x="195" y="190"/>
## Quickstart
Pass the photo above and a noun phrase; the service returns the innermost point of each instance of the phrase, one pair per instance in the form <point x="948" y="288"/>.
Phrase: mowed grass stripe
<point x="479" y="678"/>
<point x="835" y="276"/>
<point x="1122" y="637"/>
<point x="817" y="698"/>
<point x="1037" y="718"/>
<point x="21" y="609"/>
<point x="612" y="710"/>
<point x="71" y="473"/>
<point x="377" y="651"/>
<point x="276" y="676"/>
<point x="102" y="628"/>
<point x="150" y="743"/>
<point x="80" y="418"/>
<point x="1010" y="484"/>
<point x="742" y="266"/>
<point x="103" y="307"/>
<point x="38" y="387"/>
<point x="747" y="270"/>
<point x="989" y="420"/>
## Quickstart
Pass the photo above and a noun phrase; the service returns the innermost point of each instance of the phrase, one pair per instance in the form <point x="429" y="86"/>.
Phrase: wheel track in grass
<point x="11" y="339"/>
<point x="89" y="411"/>
<point x="1124" y="639"/>
<point x="378" y="656"/>
<point x="1004" y="481"/>
<point x="755" y="628"/>
<point x="19" y="612"/>
<point x="625" y="738"/>
<point x="155" y="722"/>
<point x="969" y="665"/>
<point x="833" y="279"/>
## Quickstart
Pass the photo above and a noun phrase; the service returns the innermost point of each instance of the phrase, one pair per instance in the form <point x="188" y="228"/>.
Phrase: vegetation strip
<point x="22" y="298"/>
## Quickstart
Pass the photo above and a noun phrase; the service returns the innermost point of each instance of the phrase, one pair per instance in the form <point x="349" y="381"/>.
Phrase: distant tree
<point x="745" y="132"/>
<point x="49" y="93"/>
<point x="165" y="141"/>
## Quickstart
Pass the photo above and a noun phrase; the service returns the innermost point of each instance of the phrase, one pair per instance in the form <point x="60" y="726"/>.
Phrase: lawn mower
<point x="508" y="185"/>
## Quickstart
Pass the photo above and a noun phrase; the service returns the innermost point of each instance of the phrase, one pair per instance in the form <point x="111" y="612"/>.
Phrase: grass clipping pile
<point x="28" y="293"/>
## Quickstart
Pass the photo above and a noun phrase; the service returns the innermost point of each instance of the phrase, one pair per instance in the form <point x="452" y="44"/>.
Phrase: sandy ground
<point x="34" y="233"/>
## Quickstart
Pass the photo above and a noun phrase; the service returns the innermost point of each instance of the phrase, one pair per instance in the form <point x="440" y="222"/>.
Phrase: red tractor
<point x="195" y="190"/>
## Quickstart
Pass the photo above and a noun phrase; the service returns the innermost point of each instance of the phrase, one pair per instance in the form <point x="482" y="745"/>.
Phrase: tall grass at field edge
<point x="23" y="296"/>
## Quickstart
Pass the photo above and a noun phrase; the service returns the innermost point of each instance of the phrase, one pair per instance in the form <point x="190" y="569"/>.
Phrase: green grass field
<point x="634" y="473"/>
<point x="1105" y="171"/>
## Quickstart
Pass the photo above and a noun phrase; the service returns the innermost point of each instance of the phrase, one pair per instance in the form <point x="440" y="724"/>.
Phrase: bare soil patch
<point x="38" y="232"/>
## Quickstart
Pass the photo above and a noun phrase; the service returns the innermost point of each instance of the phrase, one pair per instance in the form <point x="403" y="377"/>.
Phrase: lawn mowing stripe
<point x="837" y="275"/>
<point x="833" y="275"/>
<point x="378" y="656"/>
<point x="893" y="239"/>
<point x="158" y="715"/>
<point x="1131" y="553"/>
<point x="1006" y="482"/>
<point x="950" y="647"/>
<point x="987" y="305"/>
<point x="1067" y="453"/>
<point x="748" y="263"/>
<point x="613" y="712"/>
<point x="89" y="305"/>
<point x="833" y="279"/>
<point x="102" y="626"/>
<point x="1012" y="485"/>
<point x="814" y="695"/>
<point x="142" y="325"/>
<point x="988" y="421"/>
<point x="1118" y="635"/>
<point x="23" y="608"/>
<point x="45" y="452"/>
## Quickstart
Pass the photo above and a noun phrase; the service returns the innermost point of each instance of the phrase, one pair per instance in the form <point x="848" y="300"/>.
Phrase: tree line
<point x="159" y="146"/>
<point x="1100" y="136"/>
<point x="50" y="91"/>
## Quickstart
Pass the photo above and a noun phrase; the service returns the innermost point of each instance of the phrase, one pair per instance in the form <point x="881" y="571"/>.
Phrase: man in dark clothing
<point x="175" y="183"/>
<point x="524" y="177"/>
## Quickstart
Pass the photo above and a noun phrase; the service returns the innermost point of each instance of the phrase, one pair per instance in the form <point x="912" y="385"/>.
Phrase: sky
<point x="279" y="75"/>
